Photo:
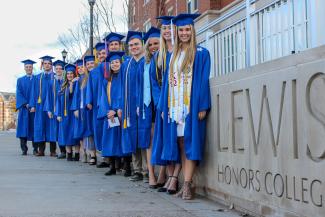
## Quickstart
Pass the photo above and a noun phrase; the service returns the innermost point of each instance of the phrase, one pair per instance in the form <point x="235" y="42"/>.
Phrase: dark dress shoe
<point x="40" y="154"/>
<point x="53" y="154"/>
<point x="69" y="157"/>
<point x="62" y="156"/>
<point x="110" y="172"/>
<point x="76" y="157"/>
<point x="162" y="189"/>
<point x="35" y="152"/>
<point x="103" y="165"/>
<point x="153" y="186"/>
<point x="24" y="153"/>
<point x="136" y="177"/>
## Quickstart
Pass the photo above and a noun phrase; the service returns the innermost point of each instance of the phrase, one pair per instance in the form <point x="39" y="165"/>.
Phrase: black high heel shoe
<point x="93" y="161"/>
<point x="173" y="191"/>
<point x="165" y="186"/>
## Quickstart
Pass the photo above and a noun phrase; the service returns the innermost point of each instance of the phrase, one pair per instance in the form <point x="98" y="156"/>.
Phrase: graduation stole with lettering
<point x="126" y="108"/>
<point x="187" y="85"/>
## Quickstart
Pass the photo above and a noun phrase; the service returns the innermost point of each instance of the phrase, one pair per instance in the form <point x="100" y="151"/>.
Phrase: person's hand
<point x="202" y="115"/>
<point x="89" y="106"/>
<point x="50" y="115"/>
<point x="59" y="119"/>
<point x="119" y="113"/>
<point x="76" y="113"/>
<point x="162" y="115"/>
<point x="75" y="79"/>
<point x="138" y="111"/>
<point x="111" y="114"/>
<point x="32" y="109"/>
<point x="27" y="106"/>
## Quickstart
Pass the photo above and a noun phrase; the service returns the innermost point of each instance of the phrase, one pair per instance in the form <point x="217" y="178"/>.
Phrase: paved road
<point x="47" y="187"/>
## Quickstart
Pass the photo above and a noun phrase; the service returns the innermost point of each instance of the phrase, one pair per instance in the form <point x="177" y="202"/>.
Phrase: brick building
<point x="142" y="13"/>
<point x="7" y="111"/>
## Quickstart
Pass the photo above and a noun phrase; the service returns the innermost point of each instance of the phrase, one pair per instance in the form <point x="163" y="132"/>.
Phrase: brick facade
<point x="142" y="13"/>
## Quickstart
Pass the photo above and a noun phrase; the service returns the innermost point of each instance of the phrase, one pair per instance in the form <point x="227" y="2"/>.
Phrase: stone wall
<point x="265" y="149"/>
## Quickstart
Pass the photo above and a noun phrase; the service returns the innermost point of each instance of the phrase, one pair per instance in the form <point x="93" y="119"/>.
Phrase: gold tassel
<point x="124" y="124"/>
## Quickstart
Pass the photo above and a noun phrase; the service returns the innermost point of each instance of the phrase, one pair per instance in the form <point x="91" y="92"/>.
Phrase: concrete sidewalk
<point x="46" y="187"/>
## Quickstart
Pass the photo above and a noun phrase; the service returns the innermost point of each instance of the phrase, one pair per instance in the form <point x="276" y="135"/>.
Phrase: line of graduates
<point x="148" y="108"/>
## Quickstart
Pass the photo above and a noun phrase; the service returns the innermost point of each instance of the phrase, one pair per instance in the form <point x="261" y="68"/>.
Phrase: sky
<point x="30" y="30"/>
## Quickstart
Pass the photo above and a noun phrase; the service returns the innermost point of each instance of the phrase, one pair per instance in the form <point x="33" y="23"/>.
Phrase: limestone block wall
<point x="265" y="148"/>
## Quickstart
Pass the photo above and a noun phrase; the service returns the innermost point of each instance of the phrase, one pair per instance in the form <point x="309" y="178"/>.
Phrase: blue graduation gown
<point x="111" y="139"/>
<point x="194" y="134"/>
<point x="64" y="101"/>
<point x="91" y="98"/>
<point x="157" y="141"/>
<point x="50" y="106"/>
<point x="83" y="125"/>
<point x="129" y="69"/>
<point x="145" y="112"/>
<point x="42" y="126"/>
<point x="25" y="122"/>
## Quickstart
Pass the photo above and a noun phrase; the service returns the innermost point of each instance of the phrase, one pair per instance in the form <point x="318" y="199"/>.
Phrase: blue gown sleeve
<point x="205" y="98"/>
<point x="75" y="104"/>
<point x="163" y="91"/>
<point x="103" y="107"/>
<point x="58" y="107"/>
<point x="20" y="98"/>
<point x="32" y="99"/>
<point x="89" y="91"/>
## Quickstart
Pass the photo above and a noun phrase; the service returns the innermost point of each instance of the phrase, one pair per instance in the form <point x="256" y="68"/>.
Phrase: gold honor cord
<point x="39" y="101"/>
<point x="65" y="103"/>
<point x="126" y="94"/>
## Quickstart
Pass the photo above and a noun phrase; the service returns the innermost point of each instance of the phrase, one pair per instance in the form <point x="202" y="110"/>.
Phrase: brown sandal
<point x="187" y="191"/>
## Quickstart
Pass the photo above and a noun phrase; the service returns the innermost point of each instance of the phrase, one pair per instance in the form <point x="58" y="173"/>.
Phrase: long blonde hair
<point x="147" y="53"/>
<point x="163" y="50"/>
<point x="190" y="52"/>
<point x="85" y="78"/>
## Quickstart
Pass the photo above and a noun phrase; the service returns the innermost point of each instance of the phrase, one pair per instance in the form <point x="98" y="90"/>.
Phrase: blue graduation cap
<point x="79" y="62"/>
<point x="89" y="58"/>
<point x="185" y="19"/>
<point x="100" y="46"/>
<point x="28" y="62"/>
<point x="47" y="58"/>
<point x="165" y="20"/>
<point x="59" y="63"/>
<point x="153" y="32"/>
<point x="70" y="68"/>
<point x="113" y="37"/>
<point x="115" y="55"/>
<point x="132" y="35"/>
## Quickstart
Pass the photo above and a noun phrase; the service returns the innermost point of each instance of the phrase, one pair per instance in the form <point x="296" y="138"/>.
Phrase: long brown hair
<point x="163" y="50"/>
<point x="66" y="82"/>
<point x="190" y="52"/>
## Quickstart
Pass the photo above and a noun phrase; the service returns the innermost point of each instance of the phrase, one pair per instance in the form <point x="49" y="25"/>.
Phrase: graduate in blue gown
<point x="108" y="110"/>
<point x="50" y="104"/>
<point x="83" y="117"/>
<point x="65" y="115"/>
<point x="186" y="100"/>
<point x="42" y="121"/>
<point x="145" y="104"/>
<point x="158" y="67"/>
<point x="130" y="70"/>
<point x="92" y="94"/>
<point x="89" y="143"/>
<point x="25" y="122"/>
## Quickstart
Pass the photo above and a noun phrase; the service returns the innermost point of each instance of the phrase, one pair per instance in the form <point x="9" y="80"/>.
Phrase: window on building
<point x="147" y="25"/>
<point x="170" y="11"/>
<point x="146" y="1"/>
<point x="192" y="6"/>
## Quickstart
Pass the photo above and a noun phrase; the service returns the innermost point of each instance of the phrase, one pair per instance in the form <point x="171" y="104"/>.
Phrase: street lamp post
<point x="91" y="38"/>
<point x="64" y="54"/>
